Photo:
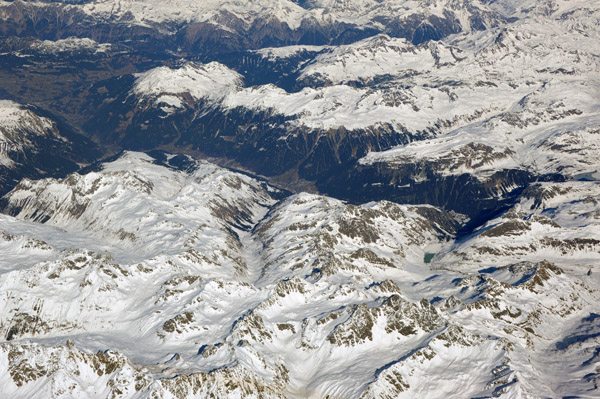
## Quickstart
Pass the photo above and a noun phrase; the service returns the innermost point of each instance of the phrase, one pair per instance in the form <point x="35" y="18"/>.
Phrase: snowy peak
<point x="70" y="45"/>
<point x="543" y="127"/>
<point x="378" y="55"/>
<point x="542" y="225"/>
<point x="169" y="274"/>
<point x="192" y="82"/>
<point x="347" y="242"/>
<point x="178" y="12"/>
<point x="15" y="120"/>
<point x="25" y="136"/>
<point x="138" y="206"/>
<point x="164" y="276"/>
<point x="222" y="25"/>
<point x="290" y="12"/>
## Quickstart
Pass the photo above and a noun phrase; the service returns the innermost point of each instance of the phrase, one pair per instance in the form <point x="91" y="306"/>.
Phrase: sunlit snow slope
<point x="170" y="277"/>
<point x="464" y="135"/>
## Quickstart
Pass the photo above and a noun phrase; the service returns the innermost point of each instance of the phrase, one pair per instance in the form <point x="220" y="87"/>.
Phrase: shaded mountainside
<point x="200" y="27"/>
<point x="35" y="144"/>
<point x="344" y="97"/>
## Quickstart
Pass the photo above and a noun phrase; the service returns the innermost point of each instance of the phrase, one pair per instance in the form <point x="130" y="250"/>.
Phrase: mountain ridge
<point x="449" y="244"/>
<point x="333" y="281"/>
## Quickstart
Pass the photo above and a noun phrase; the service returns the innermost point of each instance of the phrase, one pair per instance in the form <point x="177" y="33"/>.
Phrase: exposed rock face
<point x="363" y="121"/>
<point x="348" y="96"/>
<point x="258" y="140"/>
<point x="539" y="226"/>
<point x="413" y="183"/>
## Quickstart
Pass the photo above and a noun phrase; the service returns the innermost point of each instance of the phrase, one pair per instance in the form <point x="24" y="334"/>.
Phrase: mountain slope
<point x="459" y="257"/>
<point x="176" y="278"/>
<point x="32" y="145"/>
<point x="232" y="26"/>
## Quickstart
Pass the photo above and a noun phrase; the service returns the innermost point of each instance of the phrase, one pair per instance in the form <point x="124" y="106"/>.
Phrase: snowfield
<point x="158" y="275"/>
<point x="177" y="278"/>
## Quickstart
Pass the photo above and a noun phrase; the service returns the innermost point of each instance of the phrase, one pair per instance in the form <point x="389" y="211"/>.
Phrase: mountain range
<point x="300" y="199"/>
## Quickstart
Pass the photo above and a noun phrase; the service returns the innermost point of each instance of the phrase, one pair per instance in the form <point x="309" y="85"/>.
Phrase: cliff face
<point x="331" y="95"/>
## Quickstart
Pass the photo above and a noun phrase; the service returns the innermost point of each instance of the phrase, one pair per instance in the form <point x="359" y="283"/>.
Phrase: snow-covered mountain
<point x="34" y="146"/>
<point x="484" y="98"/>
<point x="361" y="13"/>
<point x="474" y="105"/>
<point x="449" y="245"/>
<point x="553" y="221"/>
<point x="383" y="118"/>
<point x="224" y="25"/>
<point x="545" y="126"/>
<point x="169" y="277"/>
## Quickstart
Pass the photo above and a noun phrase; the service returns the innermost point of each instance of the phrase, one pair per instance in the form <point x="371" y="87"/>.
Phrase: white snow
<point x="211" y="81"/>
<point x="377" y="55"/>
<point x="70" y="44"/>
<point x="275" y="53"/>
<point x="16" y="124"/>
<point x="170" y="283"/>
<point x="362" y="13"/>
<point x="305" y="298"/>
<point x="464" y="84"/>
<point x="540" y="102"/>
